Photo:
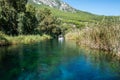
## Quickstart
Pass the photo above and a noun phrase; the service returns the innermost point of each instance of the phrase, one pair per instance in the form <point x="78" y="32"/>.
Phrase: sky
<point x="100" y="7"/>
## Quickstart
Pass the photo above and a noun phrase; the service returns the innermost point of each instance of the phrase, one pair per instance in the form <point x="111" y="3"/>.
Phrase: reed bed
<point x="104" y="35"/>
<point x="21" y="39"/>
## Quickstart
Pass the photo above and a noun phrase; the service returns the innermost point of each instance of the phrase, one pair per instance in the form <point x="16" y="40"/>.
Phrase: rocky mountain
<point x="59" y="4"/>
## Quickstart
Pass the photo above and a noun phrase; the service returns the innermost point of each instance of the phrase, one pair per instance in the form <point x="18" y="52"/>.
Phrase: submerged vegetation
<point x="96" y="56"/>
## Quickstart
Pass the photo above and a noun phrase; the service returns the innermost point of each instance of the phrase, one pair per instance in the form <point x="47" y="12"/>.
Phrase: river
<point x="56" y="60"/>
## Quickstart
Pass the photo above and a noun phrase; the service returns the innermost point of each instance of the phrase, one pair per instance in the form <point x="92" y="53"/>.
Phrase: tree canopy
<point x="19" y="17"/>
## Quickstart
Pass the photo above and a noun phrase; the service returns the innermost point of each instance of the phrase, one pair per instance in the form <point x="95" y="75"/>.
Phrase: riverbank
<point x="103" y="36"/>
<point x="22" y="39"/>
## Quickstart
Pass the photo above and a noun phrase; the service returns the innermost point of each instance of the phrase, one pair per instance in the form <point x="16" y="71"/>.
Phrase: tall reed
<point x="21" y="39"/>
<point x="104" y="35"/>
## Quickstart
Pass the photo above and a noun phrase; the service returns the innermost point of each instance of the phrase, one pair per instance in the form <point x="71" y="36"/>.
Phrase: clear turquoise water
<point x="56" y="60"/>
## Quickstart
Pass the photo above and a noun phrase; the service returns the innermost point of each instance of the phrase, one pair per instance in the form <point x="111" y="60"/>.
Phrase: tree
<point x="48" y="24"/>
<point x="10" y="10"/>
<point x="17" y="18"/>
<point x="29" y="20"/>
<point x="18" y="5"/>
<point x="7" y="18"/>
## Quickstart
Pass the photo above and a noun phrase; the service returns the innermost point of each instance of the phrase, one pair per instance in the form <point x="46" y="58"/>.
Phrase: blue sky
<point x="101" y="7"/>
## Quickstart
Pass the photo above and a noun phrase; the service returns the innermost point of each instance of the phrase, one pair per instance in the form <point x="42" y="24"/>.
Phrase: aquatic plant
<point x="104" y="35"/>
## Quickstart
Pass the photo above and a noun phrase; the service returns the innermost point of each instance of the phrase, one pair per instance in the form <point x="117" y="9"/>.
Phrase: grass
<point x="71" y="35"/>
<point x="103" y="36"/>
<point x="3" y="40"/>
<point x="22" y="39"/>
<point x="27" y="39"/>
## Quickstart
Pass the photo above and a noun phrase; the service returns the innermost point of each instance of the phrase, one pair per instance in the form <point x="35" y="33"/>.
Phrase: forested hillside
<point x="69" y="19"/>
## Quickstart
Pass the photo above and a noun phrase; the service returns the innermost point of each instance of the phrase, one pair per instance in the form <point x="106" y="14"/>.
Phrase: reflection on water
<point x="55" y="60"/>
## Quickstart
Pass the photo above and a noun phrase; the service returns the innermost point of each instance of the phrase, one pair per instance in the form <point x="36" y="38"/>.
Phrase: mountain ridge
<point x="58" y="4"/>
<point x="74" y="16"/>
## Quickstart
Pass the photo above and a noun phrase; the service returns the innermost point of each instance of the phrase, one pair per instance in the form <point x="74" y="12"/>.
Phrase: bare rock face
<point x="56" y="4"/>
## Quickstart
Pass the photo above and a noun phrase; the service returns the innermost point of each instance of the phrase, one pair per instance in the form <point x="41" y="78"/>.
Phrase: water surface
<point x="56" y="60"/>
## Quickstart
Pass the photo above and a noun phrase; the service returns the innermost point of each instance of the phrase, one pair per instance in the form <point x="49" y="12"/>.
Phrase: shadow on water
<point x="56" y="60"/>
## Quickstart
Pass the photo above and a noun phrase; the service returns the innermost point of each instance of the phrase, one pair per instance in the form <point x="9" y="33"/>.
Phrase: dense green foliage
<point x="49" y="24"/>
<point x="78" y="19"/>
<point x="20" y="18"/>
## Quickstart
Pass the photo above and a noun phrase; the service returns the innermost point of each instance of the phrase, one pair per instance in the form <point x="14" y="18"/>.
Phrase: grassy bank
<point x="103" y="36"/>
<point x="71" y="35"/>
<point x="22" y="39"/>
